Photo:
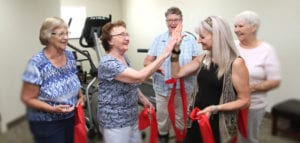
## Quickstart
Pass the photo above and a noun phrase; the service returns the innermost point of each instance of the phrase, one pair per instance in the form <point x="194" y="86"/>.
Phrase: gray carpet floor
<point x="20" y="133"/>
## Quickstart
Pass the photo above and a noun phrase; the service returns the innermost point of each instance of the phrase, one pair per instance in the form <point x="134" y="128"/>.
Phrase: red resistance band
<point x="147" y="118"/>
<point x="79" y="128"/>
<point x="204" y="126"/>
<point x="180" y="135"/>
<point x="242" y="123"/>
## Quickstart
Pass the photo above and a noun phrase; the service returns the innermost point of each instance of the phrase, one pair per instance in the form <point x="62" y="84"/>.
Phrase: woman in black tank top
<point x="222" y="81"/>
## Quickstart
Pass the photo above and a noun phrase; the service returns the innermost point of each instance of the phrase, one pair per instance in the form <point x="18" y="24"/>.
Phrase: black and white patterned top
<point x="117" y="101"/>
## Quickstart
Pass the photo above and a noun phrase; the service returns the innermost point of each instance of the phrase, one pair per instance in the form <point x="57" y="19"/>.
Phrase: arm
<point x="272" y="70"/>
<point x="148" y="60"/>
<point x="81" y="98"/>
<point x="143" y="99"/>
<point x="240" y="80"/>
<point x="176" y="70"/>
<point x="176" y="33"/>
<point x="264" y="86"/>
<point x="29" y="95"/>
<point x="188" y="69"/>
<point x="130" y="75"/>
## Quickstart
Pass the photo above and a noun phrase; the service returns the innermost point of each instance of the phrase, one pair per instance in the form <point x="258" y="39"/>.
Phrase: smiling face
<point x="243" y="30"/>
<point x="172" y="21"/>
<point x="119" y="38"/>
<point x="205" y="39"/>
<point x="59" y="38"/>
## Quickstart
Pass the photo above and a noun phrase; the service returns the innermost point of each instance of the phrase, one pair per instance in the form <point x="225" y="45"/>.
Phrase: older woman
<point x="51" y="88"/>
<point x="263" y="67"/>
<point x="118" y="86"/>
<point x="222" y="78"/>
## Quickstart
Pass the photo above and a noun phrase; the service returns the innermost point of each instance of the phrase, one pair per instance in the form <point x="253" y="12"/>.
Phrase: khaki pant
<point x="163" y="120"/>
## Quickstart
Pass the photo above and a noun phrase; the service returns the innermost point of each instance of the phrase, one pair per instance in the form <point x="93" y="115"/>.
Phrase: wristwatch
<point x="174" y="58"/>
<point x="176" y="52"/>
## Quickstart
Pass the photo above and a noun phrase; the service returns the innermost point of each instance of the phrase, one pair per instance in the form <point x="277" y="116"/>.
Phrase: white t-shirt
<point x="262" y="64"/>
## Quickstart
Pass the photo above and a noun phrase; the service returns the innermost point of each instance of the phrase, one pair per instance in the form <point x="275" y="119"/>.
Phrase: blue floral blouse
<point x="58" y="85"/>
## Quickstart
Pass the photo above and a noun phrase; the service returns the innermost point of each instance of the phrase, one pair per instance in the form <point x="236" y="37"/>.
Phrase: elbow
<point x="24" y="99"/>
<point x="140" y="78"/>
<point x="277" y="83"/>
<point x="247" y="102"/>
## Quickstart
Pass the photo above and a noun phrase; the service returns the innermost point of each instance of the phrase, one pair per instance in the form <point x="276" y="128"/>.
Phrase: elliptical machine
<point x="89" y="39"/>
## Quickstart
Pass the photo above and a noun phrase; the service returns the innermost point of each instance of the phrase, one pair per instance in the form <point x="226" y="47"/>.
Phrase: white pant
<point x="255" y="117"/>
<point x="130" y="134"/>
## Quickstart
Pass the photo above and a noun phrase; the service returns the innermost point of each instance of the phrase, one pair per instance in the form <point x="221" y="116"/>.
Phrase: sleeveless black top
<point x="209" y="87"/>
<point x="209" y="93"/>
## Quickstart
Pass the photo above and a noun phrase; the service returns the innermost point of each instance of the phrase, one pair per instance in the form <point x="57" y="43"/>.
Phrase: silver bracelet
<point x="215" y="109"/>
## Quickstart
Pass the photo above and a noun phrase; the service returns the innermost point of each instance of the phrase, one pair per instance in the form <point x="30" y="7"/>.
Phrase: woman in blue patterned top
<point x="118" y="86"/>
<point x="51" y="88"/>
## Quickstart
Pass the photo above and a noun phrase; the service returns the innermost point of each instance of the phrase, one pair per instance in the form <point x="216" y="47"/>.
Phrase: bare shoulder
<point x="238" y="62"/>
<point x="239" y="65"/>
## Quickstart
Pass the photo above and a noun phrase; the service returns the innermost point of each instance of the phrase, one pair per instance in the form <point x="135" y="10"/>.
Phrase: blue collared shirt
<point x="188" y="48"/>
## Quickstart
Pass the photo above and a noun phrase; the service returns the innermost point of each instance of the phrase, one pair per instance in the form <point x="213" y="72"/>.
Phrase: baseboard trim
<point x="16" y="122"/>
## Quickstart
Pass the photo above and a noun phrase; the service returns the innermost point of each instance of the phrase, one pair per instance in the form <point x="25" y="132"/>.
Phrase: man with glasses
<point x="188" y="50"/>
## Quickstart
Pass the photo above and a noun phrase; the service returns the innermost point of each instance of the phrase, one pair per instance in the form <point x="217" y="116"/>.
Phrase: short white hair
<point x="250" y="17"/>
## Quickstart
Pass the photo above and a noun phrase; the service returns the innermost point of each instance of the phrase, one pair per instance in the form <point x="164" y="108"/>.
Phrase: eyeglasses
<point x="123" y="34"/>
<point x="173" y="20"/>
<point x="61" y="34"/>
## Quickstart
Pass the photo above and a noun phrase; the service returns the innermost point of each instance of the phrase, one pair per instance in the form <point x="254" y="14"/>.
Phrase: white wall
<point x="19" y="27"/>
<point x="280" y="22"/>
<point x="20" y="22"/>
<point x="95" y="8"/>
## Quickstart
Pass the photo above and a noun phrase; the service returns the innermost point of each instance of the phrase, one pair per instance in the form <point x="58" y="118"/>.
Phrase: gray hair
<point x="224" y="50"/>
<point x="250" y="17"/>
<point x="174" y="10"/>
<point x="48" y="26"/>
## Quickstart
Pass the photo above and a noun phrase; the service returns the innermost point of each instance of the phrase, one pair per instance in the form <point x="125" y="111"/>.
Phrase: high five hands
<point x="176" y="38"/>
<point x="176" y="34"/>
<point x="174" y="42"/>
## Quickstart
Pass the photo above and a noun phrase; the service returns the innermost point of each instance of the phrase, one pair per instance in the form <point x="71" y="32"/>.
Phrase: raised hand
<point x="176" y="34"/>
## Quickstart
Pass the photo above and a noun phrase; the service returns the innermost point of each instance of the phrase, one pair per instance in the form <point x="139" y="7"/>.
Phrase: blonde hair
<point x="48" y="26"/>
<point x="223" y="50"/>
